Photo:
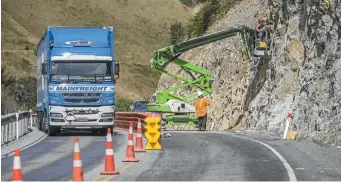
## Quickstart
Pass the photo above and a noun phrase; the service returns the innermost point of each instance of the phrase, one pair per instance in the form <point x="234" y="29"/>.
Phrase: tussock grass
<point x="140" y="27"/>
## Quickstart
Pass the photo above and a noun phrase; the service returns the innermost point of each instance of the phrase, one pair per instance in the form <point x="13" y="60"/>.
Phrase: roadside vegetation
<point x="140" y="28"/>
<point x="137" y="34"/>
<point x="209" y="11"/>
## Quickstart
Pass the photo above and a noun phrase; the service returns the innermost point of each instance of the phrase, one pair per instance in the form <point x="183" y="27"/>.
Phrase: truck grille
<point x="81" y="100"/>
<point x="85" y="120"/>
<point x="82" y="112"/>
<point x="82" y="94"/>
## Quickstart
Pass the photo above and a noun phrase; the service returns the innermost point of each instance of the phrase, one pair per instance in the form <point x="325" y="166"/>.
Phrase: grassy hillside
<point x="141" y="26"/>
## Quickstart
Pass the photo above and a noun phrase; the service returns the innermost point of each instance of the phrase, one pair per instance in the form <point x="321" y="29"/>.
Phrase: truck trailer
<point x="76" y="77"/>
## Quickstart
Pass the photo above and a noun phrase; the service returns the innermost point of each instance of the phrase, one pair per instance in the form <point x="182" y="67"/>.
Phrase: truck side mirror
<point x="43" y="68"/>
<point x="117" y="69"/>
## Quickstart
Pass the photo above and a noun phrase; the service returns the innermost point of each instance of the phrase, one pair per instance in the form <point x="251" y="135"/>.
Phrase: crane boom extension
<point x="165" y="101"/>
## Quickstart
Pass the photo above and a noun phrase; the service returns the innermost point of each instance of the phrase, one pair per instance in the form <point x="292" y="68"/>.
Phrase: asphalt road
<point x="52" y="158"/>
<point x="185" y="156"/>
<point x="209" y="156"/>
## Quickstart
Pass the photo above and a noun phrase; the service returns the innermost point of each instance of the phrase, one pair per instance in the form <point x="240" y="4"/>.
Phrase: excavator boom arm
<point x="162" y="57"/>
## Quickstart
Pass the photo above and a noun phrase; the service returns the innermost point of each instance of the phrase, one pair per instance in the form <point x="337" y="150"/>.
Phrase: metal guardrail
<point x="122" y="120"/>
<point x="16" y="125"/>
<point x="150" y="123"/>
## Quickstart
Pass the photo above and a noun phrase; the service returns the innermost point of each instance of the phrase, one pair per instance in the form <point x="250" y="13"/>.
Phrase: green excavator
<point x="177" y="110"/>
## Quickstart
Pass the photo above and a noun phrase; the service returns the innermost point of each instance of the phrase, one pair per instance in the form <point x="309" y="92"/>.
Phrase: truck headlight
<point x="54" y="100"/>
<point x="56" y="115"/>
<point x="108" y="115"/>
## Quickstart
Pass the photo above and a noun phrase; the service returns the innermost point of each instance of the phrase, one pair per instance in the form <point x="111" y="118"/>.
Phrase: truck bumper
<point x="82" y="117"/>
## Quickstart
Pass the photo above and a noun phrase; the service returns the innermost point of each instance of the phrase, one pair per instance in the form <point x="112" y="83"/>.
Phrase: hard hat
<point x="200" y="94"/>
<point x="260" y="19"/>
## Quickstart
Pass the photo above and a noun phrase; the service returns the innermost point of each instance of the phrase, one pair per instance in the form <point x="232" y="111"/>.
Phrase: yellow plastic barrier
<point x="153" y="133"/>
<point x="262" y="44"/>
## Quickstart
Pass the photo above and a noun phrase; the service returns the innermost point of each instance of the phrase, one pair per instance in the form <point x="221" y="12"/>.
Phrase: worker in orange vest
<point x="201" y="110"/>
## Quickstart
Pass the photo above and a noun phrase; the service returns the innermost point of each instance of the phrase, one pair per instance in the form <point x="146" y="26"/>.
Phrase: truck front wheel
<point x="103" y="131"/>
<point x="53" y="130"/>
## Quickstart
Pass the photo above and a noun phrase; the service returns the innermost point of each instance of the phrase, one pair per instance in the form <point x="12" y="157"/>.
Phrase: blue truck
<point x="76" y="76"/>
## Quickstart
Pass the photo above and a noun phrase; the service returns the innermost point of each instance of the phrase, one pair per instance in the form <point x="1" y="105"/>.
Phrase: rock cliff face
<point x="303" y="74"/>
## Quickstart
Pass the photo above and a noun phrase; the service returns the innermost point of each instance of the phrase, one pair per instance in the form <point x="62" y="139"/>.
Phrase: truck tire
<point x="40" y="127"/>
<point x="53" y="130"/>
<point x="103" y="131"/>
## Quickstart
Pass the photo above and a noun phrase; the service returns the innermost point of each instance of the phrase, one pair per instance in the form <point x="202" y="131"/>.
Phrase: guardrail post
<point x="13" y="130"/>
<point x="17" y="125"/>
<point x="287" y="125"/>
<point x="6" y="132"/>
<point x="21" y="124"/>
<point x="31" y="119"/>
<point x="25" y="126"/>
<point x="10" y="131"/>
<point x="2" y="137"/>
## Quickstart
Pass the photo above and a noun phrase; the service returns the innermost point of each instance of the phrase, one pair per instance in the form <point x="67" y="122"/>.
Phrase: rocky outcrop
<point x="303" y="74"/>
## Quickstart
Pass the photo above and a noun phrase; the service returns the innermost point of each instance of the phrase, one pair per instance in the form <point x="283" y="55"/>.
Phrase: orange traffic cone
<point x="109" y="157"/>
<point x="130" y="155"/>
<point x="77" y="173"/>
<point x="16" y="173"/>
<point x="139" y="141"/>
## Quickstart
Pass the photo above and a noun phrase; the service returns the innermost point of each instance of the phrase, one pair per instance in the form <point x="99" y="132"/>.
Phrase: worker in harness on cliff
<point x="260" y="28"/>
<point x="201" y="111"/>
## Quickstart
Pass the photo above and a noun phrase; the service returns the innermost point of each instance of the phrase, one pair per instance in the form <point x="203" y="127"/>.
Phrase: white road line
<point x="30" y="145"/>
<point x="290" y="171"/>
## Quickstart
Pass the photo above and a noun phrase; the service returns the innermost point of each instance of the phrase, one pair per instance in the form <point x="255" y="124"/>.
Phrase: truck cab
<point x="76" y="76"/>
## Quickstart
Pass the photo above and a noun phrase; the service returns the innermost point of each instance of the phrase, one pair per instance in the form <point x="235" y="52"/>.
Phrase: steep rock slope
<point x="303" y="74"/>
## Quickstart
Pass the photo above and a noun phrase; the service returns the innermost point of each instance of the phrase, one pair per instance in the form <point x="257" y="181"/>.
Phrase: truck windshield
<point x="81" y="71"/>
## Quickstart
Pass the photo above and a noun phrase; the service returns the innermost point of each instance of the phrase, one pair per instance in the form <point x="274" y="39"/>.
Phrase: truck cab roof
<point x="75" y="36"/>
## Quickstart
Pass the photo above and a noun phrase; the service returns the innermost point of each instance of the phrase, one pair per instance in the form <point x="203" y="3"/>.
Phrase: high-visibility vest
<point x="201" y="106"/>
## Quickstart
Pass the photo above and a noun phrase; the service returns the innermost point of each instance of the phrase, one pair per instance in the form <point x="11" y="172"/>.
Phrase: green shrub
<point x="122" y="104"/>
<point x="17" y="93"/>
<point x="176" y="32"/>
<point x="207" y="15"/>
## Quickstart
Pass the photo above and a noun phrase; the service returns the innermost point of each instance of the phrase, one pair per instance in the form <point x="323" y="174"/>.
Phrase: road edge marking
<point x="290" y="171"/>
<point x="25" y="147"/>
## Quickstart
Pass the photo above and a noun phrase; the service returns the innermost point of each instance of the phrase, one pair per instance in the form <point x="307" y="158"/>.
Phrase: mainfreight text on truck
<point x="76" y="76"/>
